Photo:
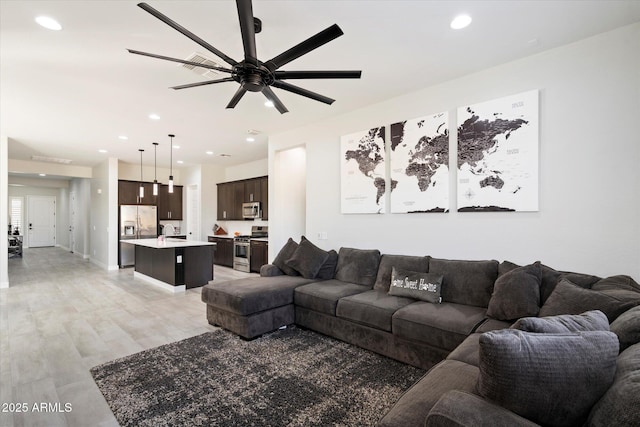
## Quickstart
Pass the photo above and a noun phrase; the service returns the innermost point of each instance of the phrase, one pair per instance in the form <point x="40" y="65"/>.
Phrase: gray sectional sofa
<point x="468" y="323"/>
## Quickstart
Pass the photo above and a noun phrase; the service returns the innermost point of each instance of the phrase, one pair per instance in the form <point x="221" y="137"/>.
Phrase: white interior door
<point x="72" y="221"/>
<point x="41" y="225"/>
<point x="193" y="212"/>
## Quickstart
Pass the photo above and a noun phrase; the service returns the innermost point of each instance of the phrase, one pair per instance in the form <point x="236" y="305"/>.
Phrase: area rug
<point x="291" y="377"/>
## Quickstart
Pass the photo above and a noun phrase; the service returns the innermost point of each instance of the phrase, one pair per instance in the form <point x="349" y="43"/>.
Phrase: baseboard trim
<point x="4" y="285"/>
<point x="159" y="283"/>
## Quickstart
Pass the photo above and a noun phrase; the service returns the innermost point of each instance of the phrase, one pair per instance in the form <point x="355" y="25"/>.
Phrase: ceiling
<point x="67" y="94"/>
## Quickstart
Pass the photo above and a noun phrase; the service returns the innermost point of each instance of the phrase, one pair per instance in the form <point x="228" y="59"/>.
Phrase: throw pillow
<point x="565" y="374"/>
<point x="568" y="298"/>
<point x="627" y="328"/>
<point x="285" y="253"/>
<point x="405" y="262"/>
<point x="358" y="266"/>
<point x="590" y="321"/>
<point x="412" y="284"/>
<point x="307" y="259"/>
<point x="328" y="269"/>
<point x="621" y="287"/>
<point x="516" y="293"/>
<point x="551" y="277"/>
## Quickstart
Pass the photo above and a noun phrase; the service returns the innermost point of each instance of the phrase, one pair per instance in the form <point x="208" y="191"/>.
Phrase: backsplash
<point x="242" y="227"/>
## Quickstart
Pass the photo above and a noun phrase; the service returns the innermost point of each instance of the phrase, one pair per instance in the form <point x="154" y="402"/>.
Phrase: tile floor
<point x="63" y="315"/>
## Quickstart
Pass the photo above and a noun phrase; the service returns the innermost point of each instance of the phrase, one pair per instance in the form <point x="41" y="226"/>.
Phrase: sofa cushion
<point x="458" y="409"/>
<point x="516" y="293"/>
<point x="285" y="253"/>
<point x="372" y="308"/>
<point x="252" y="294"/>
<point x="594" y="320"/>
<point x="414" y="405"/>
<point x="568" y="298"/>
<point x="506" y="266"/>
<point x="443" y="325"/>
<point x="328" y="269"/>
<point x="493" y="325"/>
<point x="551" y="277"/>
<point x="467" y="352"/>
<point x="323" y="296"/>
<point x="620" y="405"/>
<point x="466" y="282"/>
<point x="565" y="374"/>
<point x="307" y="259"/>
<point x="406" y="262"/>
<point x="359" y="266"/>
<point x="627" y="328"/>
<point x="412" y="284"/>
<point x="621" y="287"/>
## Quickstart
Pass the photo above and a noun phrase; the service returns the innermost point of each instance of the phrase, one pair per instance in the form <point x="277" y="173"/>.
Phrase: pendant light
<point x="141" y="183"/>
<point x="155" y="168"/>
<point x="171" y="164"/>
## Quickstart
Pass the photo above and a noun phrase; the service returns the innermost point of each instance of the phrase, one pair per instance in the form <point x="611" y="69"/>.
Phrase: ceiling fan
<point x="253" y="74"/>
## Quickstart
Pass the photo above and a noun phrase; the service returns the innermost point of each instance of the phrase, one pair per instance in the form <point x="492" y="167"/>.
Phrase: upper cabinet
<point x="129" y="193"/>
<point x="231" y="196"/>
<point x="170" y="204"/>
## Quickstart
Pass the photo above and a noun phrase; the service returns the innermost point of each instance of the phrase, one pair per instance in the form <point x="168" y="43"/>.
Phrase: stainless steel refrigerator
<point x="136" y="222"/>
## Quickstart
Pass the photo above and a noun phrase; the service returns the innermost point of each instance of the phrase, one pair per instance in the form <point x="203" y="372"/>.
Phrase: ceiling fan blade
<point x="306" y="46"/>
<point x="208" y="82"/>
<point x="304" y="92"/>
<point x="187" y="33"/>
<point x="236" y="97"/>
<point x="284" y="75"/>
<point x="181" y="61"/>
<point x="273" y="98"/>
<point x="245" y="14"/>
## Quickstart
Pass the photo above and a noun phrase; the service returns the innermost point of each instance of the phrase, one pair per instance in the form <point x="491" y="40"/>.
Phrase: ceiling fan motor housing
<point x="252" y="78"/>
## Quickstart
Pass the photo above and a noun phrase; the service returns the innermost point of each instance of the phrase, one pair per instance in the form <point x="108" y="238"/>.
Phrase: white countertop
<point x="167" y="244"/>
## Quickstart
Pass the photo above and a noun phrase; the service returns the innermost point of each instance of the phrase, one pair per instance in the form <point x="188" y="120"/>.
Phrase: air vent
<point x="50" y="159"/>
<point x="201" y="59"/>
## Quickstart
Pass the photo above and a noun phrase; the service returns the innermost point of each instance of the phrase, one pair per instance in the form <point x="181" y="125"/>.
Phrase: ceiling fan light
<point x="269" y="104"/>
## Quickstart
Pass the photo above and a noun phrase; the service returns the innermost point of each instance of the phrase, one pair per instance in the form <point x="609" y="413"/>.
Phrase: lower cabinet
<point x="223" y="254"/>
<point x="259" y="255"/>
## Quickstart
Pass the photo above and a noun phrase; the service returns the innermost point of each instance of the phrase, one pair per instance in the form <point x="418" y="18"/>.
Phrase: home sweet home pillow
<point x="412" y="284"/>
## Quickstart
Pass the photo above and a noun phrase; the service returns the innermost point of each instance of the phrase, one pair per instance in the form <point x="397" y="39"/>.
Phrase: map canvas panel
<point x="362" y="169"/>
<point x="498" y="154"/>
<point x="419" y="158"/>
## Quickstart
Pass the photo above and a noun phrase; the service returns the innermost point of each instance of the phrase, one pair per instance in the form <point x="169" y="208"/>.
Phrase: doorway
<point x="193" y="212"/>
<point x="72" y="221"/>
<point x="41" y="222"/>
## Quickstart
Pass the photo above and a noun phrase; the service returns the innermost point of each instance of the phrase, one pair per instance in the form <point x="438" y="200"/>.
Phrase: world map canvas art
<point x="419" y="159"/>
<point x="362" y="167"/>
<point x="498" y="154"/>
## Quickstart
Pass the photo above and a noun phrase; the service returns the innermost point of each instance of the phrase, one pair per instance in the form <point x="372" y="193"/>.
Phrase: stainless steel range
<point x="242" y="247"/>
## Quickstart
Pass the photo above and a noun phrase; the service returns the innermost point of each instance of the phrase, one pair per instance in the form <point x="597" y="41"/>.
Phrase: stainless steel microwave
<point x="251" y="210"/>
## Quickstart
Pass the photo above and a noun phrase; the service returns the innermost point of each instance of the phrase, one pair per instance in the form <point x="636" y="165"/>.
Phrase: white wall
<point x="589" y="175"/>
<point x="81" y="188"/>
<point x="103" y="214"/>
<point x="131" y="172"/>
<point x="248" y="170"/>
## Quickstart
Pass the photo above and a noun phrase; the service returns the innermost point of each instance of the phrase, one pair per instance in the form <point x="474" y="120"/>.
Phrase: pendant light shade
<point x="155" y="168"/>
<point x="171" y="164"/>
<point x="141" y="183"/>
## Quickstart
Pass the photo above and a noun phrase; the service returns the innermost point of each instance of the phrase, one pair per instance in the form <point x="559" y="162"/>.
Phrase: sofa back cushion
<point x="565" y="374"/>
<point x="359" y="266"/>
<point x="516" y="293"/>
<point x="466" y="282"/>
<point x="551" y="277"/>
<point x="627" y="328"/>
<point x="328" y="269"/>
<point x="405" y="262"/>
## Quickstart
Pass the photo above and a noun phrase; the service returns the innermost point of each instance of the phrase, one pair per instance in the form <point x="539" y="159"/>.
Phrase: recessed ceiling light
<point x="210" y="153"/>
<point x="42" y="174"/>
<point x="268" y="104"/>
<point x="48" y="23"/>
<point x="154" y="117"/>
<point x="180" y="162"/>
<point x="250" y="139"/>
<point x="123" y="137"/>
<point x="176" y="147"/>
<point x="460" y="21"/>
<point x="102" y="151"/>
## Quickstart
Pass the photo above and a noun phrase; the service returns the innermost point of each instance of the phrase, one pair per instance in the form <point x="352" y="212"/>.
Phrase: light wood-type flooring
<point x="63" y="315"/>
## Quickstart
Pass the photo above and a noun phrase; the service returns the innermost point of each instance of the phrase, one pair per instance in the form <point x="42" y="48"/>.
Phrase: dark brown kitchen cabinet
<point x="231" y="196"/>
<point x="129" y="193"/>
<point x="223" y="254"/>
<point x="259" y="255"/>
<point x="170" y="204"/>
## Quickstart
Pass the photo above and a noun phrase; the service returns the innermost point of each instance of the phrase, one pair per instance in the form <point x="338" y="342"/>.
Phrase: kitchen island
<point x="173" y="264"/>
